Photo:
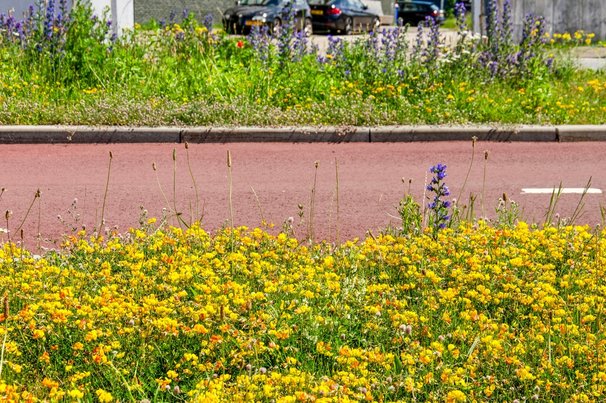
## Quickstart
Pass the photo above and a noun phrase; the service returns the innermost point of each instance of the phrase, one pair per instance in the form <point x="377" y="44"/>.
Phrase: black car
<point x="345" y="16"/>
<point x="271" y="13"/>
<point x="414" y="12"/>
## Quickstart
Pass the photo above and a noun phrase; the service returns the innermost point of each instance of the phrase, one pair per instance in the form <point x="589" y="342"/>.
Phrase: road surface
<point x="273" y="182"/>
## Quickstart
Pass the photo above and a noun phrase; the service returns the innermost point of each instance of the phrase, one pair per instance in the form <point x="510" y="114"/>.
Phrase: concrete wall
<point x="17" y="7"/>
<point x="145" y="10"/>
<point x="564" y="15"/>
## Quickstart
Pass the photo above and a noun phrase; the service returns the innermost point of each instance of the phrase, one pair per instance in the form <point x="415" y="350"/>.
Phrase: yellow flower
<point x="456" y="396"/>
<point x="45" y="357"/>
<point x="104" y="396"/>
<point x="75" y="394"/>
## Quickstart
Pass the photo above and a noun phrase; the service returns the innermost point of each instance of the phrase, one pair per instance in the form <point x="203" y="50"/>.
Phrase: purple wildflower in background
<point x="493" y="66"/>
<point x="418" y="46"/>
<point x="389" y="38"/>
<point x="335" y="48"/>
<point x="507" y="24"/>
<point x="299" y="46"/>
<point x="49" y="19"/>
<point x="285" y="34"/>
<point x="372" y="45"/>
<point x="433" y="41"/>
<point x="460" y="13"/>
<point x="208" y="22"/>
<point x="491" y="22"/>
<point x="63" y="7"/>
<point x="260" y="42"/>
<point x="438" y="207"/>
<point x="20" y="32"/>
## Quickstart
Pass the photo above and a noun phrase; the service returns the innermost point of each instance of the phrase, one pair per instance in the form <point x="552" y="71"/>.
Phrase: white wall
<point x="122" y="12"/>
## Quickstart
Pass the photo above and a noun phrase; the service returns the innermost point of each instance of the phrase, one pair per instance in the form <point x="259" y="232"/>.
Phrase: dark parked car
<point x="414" y="12"/>
<point x="271" y="13"/>
<point x="345" y="16"/>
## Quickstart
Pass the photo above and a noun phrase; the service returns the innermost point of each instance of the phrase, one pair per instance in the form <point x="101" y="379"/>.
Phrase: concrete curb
<point x="581" y="133"/>
<point x="462" y="133"/>
<point x="269" y="134"/>
<point x="304" y="134"/>
<point x="87" y="134"/>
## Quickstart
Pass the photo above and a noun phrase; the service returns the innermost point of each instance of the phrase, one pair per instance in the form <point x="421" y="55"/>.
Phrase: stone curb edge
<point x="302" y="134"/>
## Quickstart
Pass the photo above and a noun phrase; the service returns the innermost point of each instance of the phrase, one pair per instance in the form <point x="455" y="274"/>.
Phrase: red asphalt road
<point x="72" y="180"/>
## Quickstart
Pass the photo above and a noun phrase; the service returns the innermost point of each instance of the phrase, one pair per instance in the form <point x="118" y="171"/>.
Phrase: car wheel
<point x="348" y="26"/>
<point x="276" y="27"/>
<point x="307" y="27"/>
<point x="376" y="23"/>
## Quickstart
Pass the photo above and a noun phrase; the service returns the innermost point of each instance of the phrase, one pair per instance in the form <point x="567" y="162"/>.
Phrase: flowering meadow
<point x="62" y="66"/>
<point x="477" y="313"/>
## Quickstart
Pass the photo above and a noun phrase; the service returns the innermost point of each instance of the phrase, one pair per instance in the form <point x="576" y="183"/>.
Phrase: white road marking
<point x="537" y="191"/>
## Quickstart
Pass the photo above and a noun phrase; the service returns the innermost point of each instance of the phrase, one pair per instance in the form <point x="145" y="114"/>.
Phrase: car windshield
<point x="260" y="2"/>
<point x="319" y="2"/>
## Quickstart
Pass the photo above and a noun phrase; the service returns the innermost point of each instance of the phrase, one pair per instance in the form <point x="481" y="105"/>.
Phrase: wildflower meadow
<point x="443" y="307"/>
<point x="64" y="66"/>
<point x="473" y="313"/>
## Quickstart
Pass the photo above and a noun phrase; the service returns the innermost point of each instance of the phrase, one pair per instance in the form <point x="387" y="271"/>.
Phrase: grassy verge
<point x="74" y="72"/>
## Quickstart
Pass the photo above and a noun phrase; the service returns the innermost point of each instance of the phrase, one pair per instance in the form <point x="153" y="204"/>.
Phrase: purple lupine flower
<point x="335" y="48"/>
<point x="260" y="42"/>
<point x="208" y="22"/>
<point x="491" y="21"/>
<point x="433" y="42"/>
<point x="438" y="207"/>
<point x="507" y="24"/>
<point x="63" y="7"/>
<point x="460" y="13"/>
<point x="285" y="34"/>
<point x="493" y="66"/>
<point x="389" y="43"/>
<point x="49" y="19"/>
<point x="418" y="46"/>
<point x="372" y="45"/>
<point x="20" y="32"/>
